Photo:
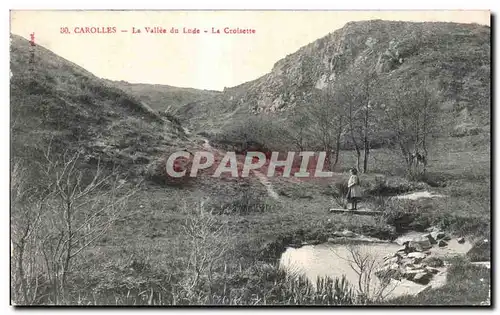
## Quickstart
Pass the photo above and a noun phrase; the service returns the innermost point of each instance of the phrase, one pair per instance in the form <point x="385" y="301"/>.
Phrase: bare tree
<point x="364" y="264"/>
<point x="210" y="242"/>
<point x="410" y="113"/>
<point x="298" y="128"/>
<point x="57" y="222"/>
<point x="28" y="205"/>
<point x="328" y="118"/>
<point x="347" y="91"/>
<point x="355" y="92"/>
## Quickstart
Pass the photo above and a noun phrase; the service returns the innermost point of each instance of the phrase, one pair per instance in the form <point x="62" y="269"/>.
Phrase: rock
<point x="442" y="243"/>
<point x="337" y="233"/>
<point x="331" y="240"/>
<point x="431" y="239"/>
<point x="446" y="238"/>
<point x="347" y="233"/>
<point x="432" y="270"/>
<point x="407" y="263"/>
<point x="432" y="229"/>
<point x="389" y="272"/>
<point x="433" y="262"/>
<point x="410" y="250"/>
<point x="390" y="256"/>
<point x="416" y="260"/>
<point x="393" y="260"/>
<point x="422" y="277"/>
<point x="311" y="242"/>
<point x="465" y="129"/>
<point x="401" y="249"/>
<point x="417" y="255"/>
<point x="418" y="266"/>
<point x="410" y="274"/>
<point x="420" y="245"/>
<point x="461" y="240"/>
<point x="437" y="235"/>
<point x="403" y="240"/>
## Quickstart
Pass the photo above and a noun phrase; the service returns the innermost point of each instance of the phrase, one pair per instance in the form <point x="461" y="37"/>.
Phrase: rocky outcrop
<point x="393" y="51"/>
<point x="414" y="260"/>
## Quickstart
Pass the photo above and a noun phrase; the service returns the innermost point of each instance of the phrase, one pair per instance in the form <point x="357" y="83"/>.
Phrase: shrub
<point x="480" y="251"/>
<point x="246" y="202"/>
<point x="405" y="215"/>
<point x="157" y="172"/>
<point x="339" y="193"/>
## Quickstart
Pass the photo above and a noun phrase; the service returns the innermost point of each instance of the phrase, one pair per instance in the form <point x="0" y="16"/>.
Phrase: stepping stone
<point x="431" y="238"/>
<point x="360" y="212"/>
<point x="438" y="235"/>
<point x="434" y="262"/>
<point x="422" y="277"/>
<point x="442" y="243"/>
<point x="417" y="255"/>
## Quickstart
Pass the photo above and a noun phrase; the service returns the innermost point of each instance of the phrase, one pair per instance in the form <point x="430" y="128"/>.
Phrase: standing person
<point x="354" y="190"/>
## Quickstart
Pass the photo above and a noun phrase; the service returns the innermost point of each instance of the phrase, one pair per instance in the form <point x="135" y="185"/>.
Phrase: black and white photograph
<point x="250" y="158"/>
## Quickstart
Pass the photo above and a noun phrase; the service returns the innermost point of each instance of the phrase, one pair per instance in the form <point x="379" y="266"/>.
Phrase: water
<point x="334" y="260"/>
<point x="419" y="195"/>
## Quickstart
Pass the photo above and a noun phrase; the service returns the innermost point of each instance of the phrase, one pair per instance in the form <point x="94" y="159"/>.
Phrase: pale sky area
<point x="205" y="60"/>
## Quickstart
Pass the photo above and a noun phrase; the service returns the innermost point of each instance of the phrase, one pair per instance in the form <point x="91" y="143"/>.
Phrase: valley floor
<point x="219" y="241"/>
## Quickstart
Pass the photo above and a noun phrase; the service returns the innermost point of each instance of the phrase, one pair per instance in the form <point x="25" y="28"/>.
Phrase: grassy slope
<point x="163" y="97"/>
<point x="62" y="104"/>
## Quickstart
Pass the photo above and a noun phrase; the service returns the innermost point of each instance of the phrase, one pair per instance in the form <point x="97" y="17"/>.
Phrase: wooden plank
<point x="359" y="211"/>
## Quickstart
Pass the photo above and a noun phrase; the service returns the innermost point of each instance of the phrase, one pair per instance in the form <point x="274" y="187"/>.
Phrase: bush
<point x="157" y="172"/>
<point x="387" y="186"/>
<point x="246" y="202"/>
<point x="405" y="215"/>
<point x="480" y="251"/>
<point x="339" y="193"/>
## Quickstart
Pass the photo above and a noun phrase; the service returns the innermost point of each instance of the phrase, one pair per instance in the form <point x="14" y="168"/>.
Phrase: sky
<point x="205" y="60"/>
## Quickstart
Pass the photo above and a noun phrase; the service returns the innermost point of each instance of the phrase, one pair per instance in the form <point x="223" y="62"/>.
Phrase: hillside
<point x="454" y="58"/>
<point x="163" y="97"/>
<point x="54" y="101"/>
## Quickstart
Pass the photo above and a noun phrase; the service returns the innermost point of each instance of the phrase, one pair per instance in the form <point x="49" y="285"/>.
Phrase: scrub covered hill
<point x="163" y="97"/>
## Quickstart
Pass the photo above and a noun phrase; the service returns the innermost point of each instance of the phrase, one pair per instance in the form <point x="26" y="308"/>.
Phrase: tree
<point x="356" y="91"/>
<point x="370" y="287"/>
<point x="327" y="123"/>
<point x="410" y="113"/>
<point x="55" y="219"/>
<point x="299" y="124"/>
<point x="210" y="243"/>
